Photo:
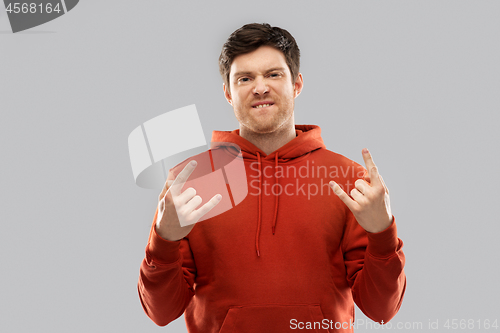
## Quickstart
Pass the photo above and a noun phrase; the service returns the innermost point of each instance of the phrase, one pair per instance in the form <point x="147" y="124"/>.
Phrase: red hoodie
<point x="286" y="258"/>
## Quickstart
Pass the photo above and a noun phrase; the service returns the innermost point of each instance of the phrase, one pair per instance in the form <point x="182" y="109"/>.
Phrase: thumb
<point x="169" y="184"/>
<point x="161" y="205"/>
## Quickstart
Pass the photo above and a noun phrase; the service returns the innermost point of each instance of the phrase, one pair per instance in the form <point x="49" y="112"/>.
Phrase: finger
<point x="371" y="167"/>
<point x="367" y="157"/>
<point x="375" y="177"/>
<point x="162" y="205"/>
<point x="186" y="196"/>
<point x="361" y="185"/>
<point x="168" y="184"/>
<point x="168" y="194"/>
<point x="357" y="196"/>
<point x="182" y="177"/>
<point x="198" y="214"/>
<point x="351" y="204"/>
<point x="192" y="204"/>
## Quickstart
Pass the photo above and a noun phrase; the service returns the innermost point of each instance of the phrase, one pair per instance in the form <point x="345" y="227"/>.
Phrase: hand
<point x="371" y="206"/>
<point x="176" y="209"/>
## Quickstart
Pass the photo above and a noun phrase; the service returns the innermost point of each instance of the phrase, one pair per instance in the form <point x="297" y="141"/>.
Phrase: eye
<point x="243" y="79"/>
<point x="275" y="74"/>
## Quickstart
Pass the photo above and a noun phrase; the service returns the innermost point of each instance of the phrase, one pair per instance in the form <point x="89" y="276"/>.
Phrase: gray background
<point x="416" y="82"/>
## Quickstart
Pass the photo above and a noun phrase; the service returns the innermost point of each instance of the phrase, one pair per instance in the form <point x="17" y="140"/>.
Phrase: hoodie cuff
<point x="384" y="243"/>
<point x="163" y="251"/>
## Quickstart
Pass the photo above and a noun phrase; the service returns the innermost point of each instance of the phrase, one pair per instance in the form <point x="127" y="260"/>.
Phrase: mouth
<point x="260" y="106"/>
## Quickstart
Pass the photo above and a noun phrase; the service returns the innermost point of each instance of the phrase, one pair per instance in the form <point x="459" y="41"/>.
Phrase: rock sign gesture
<point x="370" y="198"/>
<point x="177" y="211"/>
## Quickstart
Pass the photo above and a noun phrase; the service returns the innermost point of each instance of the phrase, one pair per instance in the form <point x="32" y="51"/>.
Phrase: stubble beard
<point x="267" y="123"/>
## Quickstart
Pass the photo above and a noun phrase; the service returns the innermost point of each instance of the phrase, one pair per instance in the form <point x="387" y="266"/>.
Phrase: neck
<point x="269" y="142"/>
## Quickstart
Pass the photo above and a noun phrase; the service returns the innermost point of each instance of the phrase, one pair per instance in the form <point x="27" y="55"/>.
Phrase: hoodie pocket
<point x="274" y="318"/>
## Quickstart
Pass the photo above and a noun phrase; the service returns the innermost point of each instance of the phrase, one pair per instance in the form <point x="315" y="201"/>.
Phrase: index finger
<point x="168" y="183"/>
<point x="181" y="178"/>
<point x="367" y="157"/>
<point x="370" y="166"/>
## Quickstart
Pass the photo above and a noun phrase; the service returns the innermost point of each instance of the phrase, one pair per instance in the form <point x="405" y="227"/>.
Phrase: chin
<point x="264" y="128"/>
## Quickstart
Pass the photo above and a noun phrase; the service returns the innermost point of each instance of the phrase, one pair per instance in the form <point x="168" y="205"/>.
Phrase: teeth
<point x="261" y="106"/>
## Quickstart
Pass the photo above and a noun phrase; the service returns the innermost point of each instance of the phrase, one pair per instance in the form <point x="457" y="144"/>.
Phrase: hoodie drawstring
<point x="259" y="221"/>
<point x="276" y="196"/>
<point x="260" y="203"/>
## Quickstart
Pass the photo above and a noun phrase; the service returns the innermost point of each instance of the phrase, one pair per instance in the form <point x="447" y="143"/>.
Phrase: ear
<point x="227" y="94"/>
<point x="298" y="85"/>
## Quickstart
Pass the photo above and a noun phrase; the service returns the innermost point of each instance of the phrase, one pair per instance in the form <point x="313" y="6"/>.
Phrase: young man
<point x="282" y="259"/>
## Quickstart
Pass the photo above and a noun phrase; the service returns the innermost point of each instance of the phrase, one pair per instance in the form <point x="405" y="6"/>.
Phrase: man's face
<point x="262" y="93"/>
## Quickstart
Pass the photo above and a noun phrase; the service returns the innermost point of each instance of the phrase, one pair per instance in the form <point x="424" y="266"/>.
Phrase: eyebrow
<point x="269" y="70"/>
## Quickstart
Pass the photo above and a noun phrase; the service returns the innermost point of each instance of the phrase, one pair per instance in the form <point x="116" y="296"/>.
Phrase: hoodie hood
<point x="307" y="139"/>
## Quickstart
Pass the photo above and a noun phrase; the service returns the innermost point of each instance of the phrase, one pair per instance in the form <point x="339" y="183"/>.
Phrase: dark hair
<point x="250" y="37"/>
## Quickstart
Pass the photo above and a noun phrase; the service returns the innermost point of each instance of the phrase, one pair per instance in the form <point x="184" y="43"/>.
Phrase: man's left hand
<point x="371" y="206"/>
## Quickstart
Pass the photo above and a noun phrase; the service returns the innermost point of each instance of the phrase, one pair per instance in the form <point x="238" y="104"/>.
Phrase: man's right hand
<point x="175" y="207"/>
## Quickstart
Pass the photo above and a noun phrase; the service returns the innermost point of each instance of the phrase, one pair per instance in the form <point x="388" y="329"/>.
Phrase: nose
<point x="260" y="87"/>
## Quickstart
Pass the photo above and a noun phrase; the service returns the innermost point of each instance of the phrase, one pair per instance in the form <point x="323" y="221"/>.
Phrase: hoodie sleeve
<point x="374" y="263"/>
<point x="166" y="278"/>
